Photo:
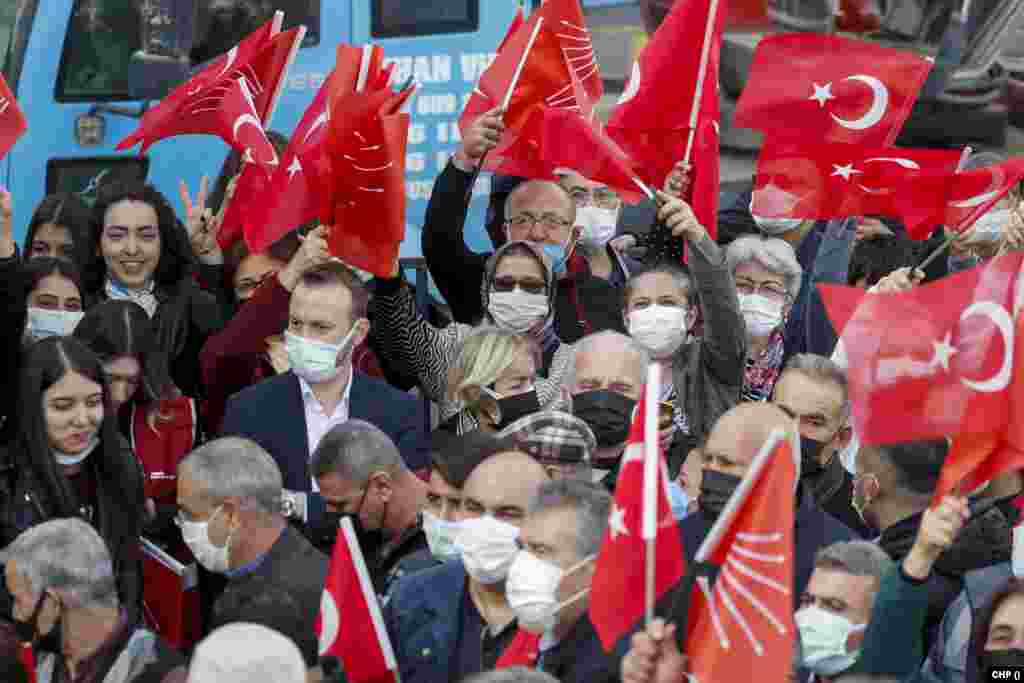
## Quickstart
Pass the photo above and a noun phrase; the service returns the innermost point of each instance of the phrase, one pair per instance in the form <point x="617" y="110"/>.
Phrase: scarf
<point x="761" y="372"/>
<point x="143" y="297"/>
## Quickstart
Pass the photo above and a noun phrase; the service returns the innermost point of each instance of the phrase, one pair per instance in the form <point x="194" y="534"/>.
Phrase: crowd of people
<point x="232" y="407"/>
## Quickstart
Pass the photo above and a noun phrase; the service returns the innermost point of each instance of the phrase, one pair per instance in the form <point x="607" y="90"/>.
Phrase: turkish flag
<point x="350" y="624"/>
<point x="824" y="181"/>
<point x="933" y="361"/>
<point x="262" y="59"/>
<point x="272" y="208"/>
<point x="12" y="121"/>
<point x="821" y="87"/>
<point x="522" y="651"/>
<point x="617" y="589"/>
<point x="956" y="200"/>
<point x="743" y="620"/>
<point x="652" y="118"/>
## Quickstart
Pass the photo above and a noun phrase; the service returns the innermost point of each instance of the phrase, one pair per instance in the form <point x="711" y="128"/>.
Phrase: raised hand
<point x="678" y="217"/>
<point x="940" y="526"/>
<point x="311" y="254"/>
<point x="483" y="136"/>
<point x="654" y="656"/>
<point x="200" y="224"/>
<point x="678" y="181"/>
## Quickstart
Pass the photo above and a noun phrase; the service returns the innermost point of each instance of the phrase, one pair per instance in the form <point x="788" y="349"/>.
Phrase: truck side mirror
<point x="166" y="32"/>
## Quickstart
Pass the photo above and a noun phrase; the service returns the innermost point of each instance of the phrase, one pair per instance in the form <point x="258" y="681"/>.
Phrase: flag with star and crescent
<point x="262" y="60"/>
<point x="934" y="361"/>
<point x="826" y="88"/>
<point x="12" y="120"/>
<point x="617" y="589"/>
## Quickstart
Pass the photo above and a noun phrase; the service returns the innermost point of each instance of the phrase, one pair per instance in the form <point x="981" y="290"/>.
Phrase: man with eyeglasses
<point x="536" y="211"/>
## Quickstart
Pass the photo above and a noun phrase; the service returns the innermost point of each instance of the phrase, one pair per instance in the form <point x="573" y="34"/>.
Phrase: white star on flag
<point x="293" y="168"/>
<point x="822" y="94"/>
<point x="845" y="171"/>
<point x="944" y="351"/>
<point x="617" y="522"/>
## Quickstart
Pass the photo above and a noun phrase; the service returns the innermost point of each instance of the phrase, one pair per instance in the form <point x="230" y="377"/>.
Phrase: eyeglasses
<point x="601" y="197"/>
<point x="769" y="290"/>
<point x="507" y="284"/>
<point x="550" y="221"/>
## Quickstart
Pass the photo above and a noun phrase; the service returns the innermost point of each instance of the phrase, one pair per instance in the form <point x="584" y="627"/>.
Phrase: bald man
<point x="452" y="621"/>
<point x="727" y="454"/>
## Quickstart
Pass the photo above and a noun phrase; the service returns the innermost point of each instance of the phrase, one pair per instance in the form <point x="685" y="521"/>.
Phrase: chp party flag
<point x="933" y="361"/>
<point x="742" y="620"/>
<point x="837" y="180"/>
<point x="652" y="118"/>
<point x="617" y="591"/>
<point x="262" y="60"/>
<point x="822" y="87"/>
<point x="350" y="625"/>
<point x="12" y="120"/>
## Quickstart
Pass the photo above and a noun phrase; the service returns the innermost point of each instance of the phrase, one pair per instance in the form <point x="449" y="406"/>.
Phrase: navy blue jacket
<point x="815" y="529"/>
<point x="422" y="618"/>
<point x="271" y="413"/>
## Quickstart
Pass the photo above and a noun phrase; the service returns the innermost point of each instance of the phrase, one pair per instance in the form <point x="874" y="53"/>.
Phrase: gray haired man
<point x="549" y="580"/>
<point x="229" y="511"/>
<point x="60" y="576"/>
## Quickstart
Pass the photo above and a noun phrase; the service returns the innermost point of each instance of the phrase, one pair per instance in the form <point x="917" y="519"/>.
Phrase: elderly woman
<point x="767" y="277"/>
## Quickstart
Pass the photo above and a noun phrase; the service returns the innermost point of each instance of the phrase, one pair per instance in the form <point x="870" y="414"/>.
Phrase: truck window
<point x="15" y="21"/>
<point x="103" y="35"/>
<point x="395" y="18"/>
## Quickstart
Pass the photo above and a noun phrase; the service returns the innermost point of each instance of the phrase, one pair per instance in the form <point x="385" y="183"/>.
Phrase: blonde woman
<point x="493" y="382"/>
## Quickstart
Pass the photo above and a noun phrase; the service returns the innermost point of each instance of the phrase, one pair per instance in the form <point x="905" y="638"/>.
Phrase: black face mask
<point x="999" y="659"/>
<point x="326" y="532"/>
<point x="810" y="453"/>
<point x="516" y="406"/>
<point x="607" y="413"/>
<point x="28" y="631"/>
<point x="715" y="490"/>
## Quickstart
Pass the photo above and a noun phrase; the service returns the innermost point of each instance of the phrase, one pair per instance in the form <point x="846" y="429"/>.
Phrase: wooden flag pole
<point x="952" y="238"/>
<point x="649" y="528"/>
<point x="705" y="54"/>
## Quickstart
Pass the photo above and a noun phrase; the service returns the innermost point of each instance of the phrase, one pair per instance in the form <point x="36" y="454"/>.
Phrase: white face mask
<point x="517" y="310"/>
<point x="441" y="536"/>
<point x="43" y="323"/>
<point x="532" y="591"/>
<point x="487" y="547"/>
<point x="315" y="361"/>
<point x="197" y="537"/>
<point x="988" y="229"/>
<point x="69" y="459"/>
<point x="659" y="329"/>
<point x="597" y="226"/>
<point x="823" y="638"/>
<point x="761" y="314"/>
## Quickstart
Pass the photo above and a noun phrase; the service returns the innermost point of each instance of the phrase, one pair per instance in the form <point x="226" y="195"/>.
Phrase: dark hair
<point x="337" y="273"/>
<point x="233" y="165"/>
<point x="458" y="456"/>
<point x="917" y="464"/>
<point x="177" y="261"/>
<point x="260" y="601"/>
<point x="282" y="250"/>
<point x="34" y="271"/>
<point x="121" y="328"/>
<point x="68" y="211"/>
<point x="45" y="363"/>
<point x="983" y="618"/>
<point x="876" y="258"/>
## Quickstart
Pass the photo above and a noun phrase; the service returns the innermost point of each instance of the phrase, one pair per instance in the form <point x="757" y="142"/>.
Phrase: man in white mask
<point x="549" y="581"/>
<point x="597" y="219"/>
<point x="229" y="513"/>
<point x="455" y="620"/>
<point x="290" y="413"/>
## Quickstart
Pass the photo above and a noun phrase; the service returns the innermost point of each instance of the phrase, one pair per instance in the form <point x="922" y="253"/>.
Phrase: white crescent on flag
<point x="875" y="113"/>
<point x="908" y="164"/>
<point x="1001" y="319"/>
<point x="998" y="177"/>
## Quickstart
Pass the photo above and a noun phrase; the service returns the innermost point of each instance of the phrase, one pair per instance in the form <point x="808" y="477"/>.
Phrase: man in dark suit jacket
<point x="290" y="413"/>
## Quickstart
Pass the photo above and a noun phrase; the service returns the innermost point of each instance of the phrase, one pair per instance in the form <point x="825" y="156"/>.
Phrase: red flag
<point x="522" y="651"/>
<point x="480" y="101"/>
<point x="933" y="361"/>
<point x="350" y="625"/>
<point x="744" y="622"/>
<point x="652" y="118"/>
<point x="956" y="200"/>
<point x="823" y="181"/>
<point x="821" y="87"/>
<point x="27" y="659"/>
<point x="262" y="59"/>
<point x="617" y="589"/>
<point x="275" y="207"/>
<point x="12" y="121"/>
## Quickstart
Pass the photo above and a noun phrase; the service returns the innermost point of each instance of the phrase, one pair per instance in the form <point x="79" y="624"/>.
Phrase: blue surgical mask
<point x="556" y="256"/>
<point x="678" y="500"/>
<point x="43" y="323"/>
<point x="315" y="361"/>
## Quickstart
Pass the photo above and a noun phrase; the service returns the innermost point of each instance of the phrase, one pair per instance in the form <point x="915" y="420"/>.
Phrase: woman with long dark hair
<point x="64" y="458"/>
<point x="147" y="259"/>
